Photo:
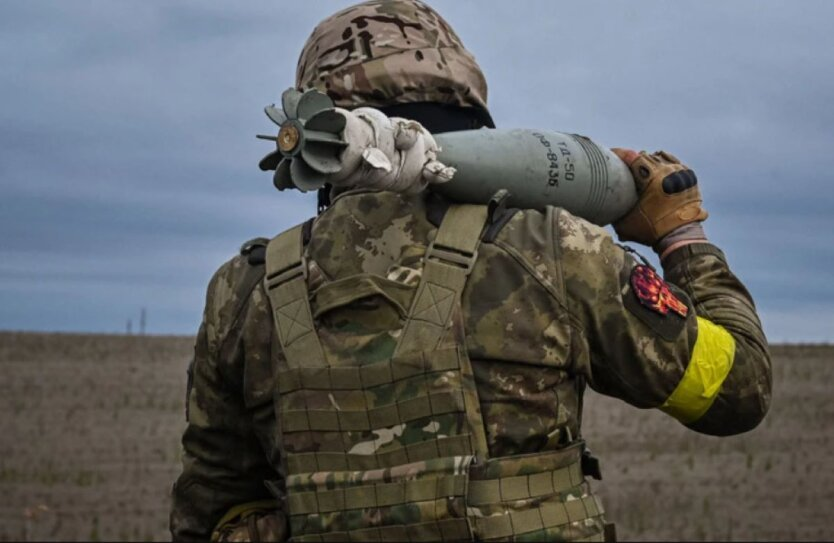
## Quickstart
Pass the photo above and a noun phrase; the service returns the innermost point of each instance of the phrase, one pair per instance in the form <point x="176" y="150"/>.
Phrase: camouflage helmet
<point x="387" y="52"/>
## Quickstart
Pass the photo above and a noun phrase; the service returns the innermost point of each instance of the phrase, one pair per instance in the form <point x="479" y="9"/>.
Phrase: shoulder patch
<point x="659" y="305"/>
<point x="653" y="292"/>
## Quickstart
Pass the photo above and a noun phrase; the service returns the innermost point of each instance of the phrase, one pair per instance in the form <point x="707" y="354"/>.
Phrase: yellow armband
<point x="712" y="359"/>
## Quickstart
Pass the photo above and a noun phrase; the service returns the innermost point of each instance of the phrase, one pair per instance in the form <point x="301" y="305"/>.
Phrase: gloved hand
<point x="388" y="153"/>
<point x="669" y="197"/>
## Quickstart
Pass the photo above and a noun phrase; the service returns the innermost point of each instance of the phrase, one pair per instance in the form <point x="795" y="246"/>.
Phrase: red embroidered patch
<point x="654" y="293"/>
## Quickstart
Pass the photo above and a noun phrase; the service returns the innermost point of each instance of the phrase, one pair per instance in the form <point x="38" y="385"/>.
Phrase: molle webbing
<point x="343" y="410"/>
<point x="388" y="374"/>
<point x="545" y="522"/>
<point x="369" y="375"/>
<point x="523" y="487"/>
<point x="538" y="497"/>
<point x="382" y="487"/>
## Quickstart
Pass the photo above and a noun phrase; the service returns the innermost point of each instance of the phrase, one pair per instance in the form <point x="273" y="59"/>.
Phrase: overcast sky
<point x="128" y="163"/>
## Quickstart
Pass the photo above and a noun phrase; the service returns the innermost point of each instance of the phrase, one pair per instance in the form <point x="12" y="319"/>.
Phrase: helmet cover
<point x="386" y="52"/>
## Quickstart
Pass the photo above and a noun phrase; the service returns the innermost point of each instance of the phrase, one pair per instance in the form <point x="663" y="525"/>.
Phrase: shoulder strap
<point x="447" y="263"/>
<point x="286" y="286"/>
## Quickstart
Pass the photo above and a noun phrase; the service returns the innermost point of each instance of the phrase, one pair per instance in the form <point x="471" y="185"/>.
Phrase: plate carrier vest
<point x="395" y="449"/>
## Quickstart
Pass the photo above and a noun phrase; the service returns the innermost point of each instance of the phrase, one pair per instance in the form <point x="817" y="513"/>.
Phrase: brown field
<point x="90" y="431"/>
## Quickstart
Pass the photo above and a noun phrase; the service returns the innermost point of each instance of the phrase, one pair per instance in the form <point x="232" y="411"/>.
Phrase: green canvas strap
<point x="286" y="286"/>
<point x="447" y="263"/>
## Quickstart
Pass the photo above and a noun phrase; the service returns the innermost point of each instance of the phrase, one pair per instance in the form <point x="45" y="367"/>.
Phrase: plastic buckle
<point x="289" y="273"/>
<point x="590" y="465"/>
<point x="452" y="256"/>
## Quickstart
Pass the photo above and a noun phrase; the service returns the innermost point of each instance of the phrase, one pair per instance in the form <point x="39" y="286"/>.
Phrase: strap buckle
<point x="293" y="271"/>
<point x="450" y="255"/>
<point x="590" y="465"/>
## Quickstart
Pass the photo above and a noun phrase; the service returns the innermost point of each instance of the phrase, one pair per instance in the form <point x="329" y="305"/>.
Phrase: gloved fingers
<point x="679" y="181"/>
<point x="630" y="155"/>
<point x="641" y="165"/>
<point x="383" y="129"/>
<point x="375" y="171"/>
<point x="626" y="155"/>
<point x="666" y="157"/>
<point x="437" y="172"/>
<point x="406" y="133"/>
<point x="373" y="116"/>
<point x="643" y="169"/>
<point x="410" y="175"/>
<point x="669" y="197"/>
<point x="376" y="159"/>
<point x="385" y="153"/>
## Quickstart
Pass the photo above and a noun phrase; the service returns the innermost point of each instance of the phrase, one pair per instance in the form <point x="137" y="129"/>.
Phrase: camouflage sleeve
<point x="691" y="345"/>
<point x="224" y="464"/>
<point x="717" y="294"/>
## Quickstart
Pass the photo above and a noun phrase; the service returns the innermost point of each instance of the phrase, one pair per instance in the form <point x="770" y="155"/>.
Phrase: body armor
<point x="391" y="446"/>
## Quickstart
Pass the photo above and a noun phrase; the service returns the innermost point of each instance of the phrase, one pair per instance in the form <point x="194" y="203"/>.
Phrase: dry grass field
<point x="90" y="429"/>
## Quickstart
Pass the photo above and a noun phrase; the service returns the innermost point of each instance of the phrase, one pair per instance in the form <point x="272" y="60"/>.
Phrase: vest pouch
<point x="363" y="313"/>
<point x="419" y="501"/>
<point x="344" y="292"/>
<point x="534" y="497"/>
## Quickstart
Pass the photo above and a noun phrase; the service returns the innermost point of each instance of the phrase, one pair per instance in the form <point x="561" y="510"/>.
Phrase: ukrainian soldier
<point x="404" y="368"/>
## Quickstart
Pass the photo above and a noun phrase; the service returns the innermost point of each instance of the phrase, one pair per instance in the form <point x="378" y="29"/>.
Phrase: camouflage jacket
<point x="552" y="304"/>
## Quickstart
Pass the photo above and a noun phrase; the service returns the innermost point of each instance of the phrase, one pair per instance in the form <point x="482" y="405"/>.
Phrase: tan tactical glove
<point x="669" y="197"/>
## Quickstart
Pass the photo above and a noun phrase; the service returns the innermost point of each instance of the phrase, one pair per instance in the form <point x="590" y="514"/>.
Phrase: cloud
<point x="128" y="164"/>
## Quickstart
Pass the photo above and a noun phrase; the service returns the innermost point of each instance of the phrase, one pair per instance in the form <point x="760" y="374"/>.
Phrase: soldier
<point x="402" y="368"/>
